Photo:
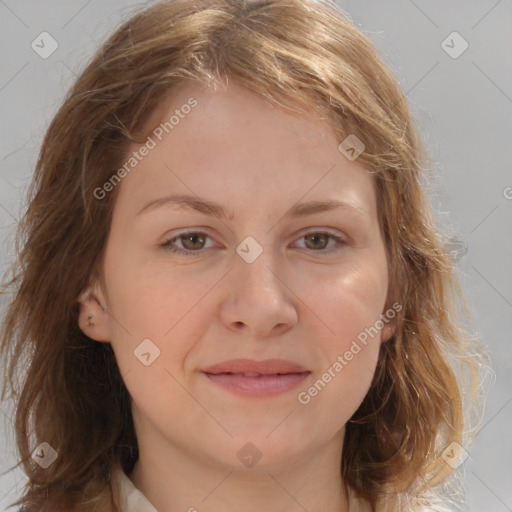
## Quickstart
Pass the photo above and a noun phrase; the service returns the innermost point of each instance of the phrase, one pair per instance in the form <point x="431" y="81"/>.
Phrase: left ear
<point x="387" y="331"/>
<point x="389" y="318"/>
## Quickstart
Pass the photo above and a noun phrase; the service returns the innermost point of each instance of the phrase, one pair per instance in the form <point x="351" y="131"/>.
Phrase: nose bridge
<point x="258" y="264"/>
<point x="256" y="297"/>
<point x="259" y="299"/>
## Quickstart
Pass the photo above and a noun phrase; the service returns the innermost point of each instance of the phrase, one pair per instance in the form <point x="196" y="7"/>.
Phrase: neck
<point x="176" y="481"/>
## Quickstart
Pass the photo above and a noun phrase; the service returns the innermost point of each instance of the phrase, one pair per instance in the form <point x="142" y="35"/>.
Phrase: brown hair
<point x="302" y="56"/>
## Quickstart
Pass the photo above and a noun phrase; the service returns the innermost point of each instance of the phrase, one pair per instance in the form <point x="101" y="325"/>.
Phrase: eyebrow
<point x="211" y="208"/>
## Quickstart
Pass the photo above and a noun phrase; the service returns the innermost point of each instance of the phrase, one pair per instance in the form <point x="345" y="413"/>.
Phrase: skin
<point x="297" y="301"/>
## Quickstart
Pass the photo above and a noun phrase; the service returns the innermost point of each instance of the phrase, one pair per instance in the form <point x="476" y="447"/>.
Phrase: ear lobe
<point x="387" y="331"/>
<point x="389" y="315"/>
<point x="93" y="318"/>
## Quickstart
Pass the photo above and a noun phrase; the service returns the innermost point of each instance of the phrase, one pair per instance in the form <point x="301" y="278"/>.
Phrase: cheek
<point x="162" y="402"/>
<point x="162" y="303"/>
<point x="152" y="296"/>
<point x="351" y="307"/>
<point x="350" y="300"/>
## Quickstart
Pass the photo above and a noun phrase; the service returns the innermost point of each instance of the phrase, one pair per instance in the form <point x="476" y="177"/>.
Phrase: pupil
<point x="192" y="239"/>
<point x="316" y="237"/>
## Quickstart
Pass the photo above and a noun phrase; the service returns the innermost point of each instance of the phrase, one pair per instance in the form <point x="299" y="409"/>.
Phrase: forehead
<point x="228" y="107"/>
<point x="232" y="143"/>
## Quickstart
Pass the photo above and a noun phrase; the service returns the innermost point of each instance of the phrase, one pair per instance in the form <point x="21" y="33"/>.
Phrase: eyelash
<point x="340" y="243"/>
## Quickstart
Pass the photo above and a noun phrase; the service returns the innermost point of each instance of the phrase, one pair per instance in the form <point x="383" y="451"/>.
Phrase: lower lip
<point x="259" y="386"/>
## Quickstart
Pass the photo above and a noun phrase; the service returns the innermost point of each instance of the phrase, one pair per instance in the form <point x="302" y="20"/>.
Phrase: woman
<point x="231" y="291"/>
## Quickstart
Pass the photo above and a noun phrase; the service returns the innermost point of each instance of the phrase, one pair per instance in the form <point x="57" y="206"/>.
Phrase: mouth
<point x="257" y="378"/>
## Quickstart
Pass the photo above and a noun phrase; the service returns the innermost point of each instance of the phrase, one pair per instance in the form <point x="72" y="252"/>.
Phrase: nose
<point x="258" y="300"/>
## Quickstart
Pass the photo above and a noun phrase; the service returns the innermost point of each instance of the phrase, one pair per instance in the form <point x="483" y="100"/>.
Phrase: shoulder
<point x="429" y="502"/>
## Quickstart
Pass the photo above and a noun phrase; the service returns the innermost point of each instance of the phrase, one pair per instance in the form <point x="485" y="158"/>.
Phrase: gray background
<point x="463" y="106"/>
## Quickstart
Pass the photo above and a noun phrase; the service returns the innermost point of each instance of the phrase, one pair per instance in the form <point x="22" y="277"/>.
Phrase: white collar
<point x="129" y="499"/>
<point x="126" y="496"/>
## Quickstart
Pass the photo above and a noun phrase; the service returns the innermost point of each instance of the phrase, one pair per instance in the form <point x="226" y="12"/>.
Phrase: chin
<point x="259" y="450"/>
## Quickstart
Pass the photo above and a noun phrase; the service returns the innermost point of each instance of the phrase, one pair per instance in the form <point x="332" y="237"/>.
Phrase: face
<point x="267" y="273"/>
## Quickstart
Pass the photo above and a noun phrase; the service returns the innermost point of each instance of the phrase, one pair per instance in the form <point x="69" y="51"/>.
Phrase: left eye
<point x="193" y="242"/>
<point x="320" y="240"/>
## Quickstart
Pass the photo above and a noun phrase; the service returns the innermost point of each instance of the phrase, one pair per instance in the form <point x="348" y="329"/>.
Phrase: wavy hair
<point x="302" y="56"/>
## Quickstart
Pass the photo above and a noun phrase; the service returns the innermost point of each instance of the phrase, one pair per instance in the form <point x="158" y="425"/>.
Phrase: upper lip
<point x="266" y="367"/>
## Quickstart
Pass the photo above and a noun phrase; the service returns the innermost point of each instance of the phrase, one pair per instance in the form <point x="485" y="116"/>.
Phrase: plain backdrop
<point x="453" y="61"/>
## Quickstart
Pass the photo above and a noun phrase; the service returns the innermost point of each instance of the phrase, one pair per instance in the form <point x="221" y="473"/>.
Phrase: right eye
<point x="192" y="242"/>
